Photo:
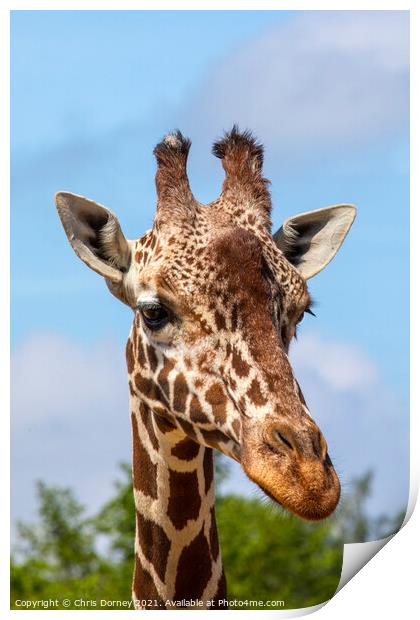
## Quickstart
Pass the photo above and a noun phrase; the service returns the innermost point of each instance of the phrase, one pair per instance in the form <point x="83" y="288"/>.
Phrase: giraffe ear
<point x="95" y="235"/>
<point x="310" y="240"/>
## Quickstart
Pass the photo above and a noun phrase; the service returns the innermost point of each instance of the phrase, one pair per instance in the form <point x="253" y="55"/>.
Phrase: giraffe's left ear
<point x="310" y="240"/>
<point x="95" y="235"/>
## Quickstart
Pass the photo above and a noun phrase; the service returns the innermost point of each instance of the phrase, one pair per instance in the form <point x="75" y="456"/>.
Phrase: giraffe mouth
<point x="310" y="491"/>
<point x="304" y="484"/>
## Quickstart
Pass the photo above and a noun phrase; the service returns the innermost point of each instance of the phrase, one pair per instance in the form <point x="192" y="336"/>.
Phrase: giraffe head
<point x="216" y="300"/>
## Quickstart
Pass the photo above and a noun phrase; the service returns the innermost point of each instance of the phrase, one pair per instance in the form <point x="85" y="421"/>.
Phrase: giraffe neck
<point x="177" y="554"/>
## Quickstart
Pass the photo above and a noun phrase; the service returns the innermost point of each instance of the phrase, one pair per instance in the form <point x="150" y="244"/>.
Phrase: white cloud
<point x="320" y="80"/>
<point x="55" y="380"/>
<point x="340" y="366"/>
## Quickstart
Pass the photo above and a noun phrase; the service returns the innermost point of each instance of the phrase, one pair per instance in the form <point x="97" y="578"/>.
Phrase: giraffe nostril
<point x="279" y="437"/>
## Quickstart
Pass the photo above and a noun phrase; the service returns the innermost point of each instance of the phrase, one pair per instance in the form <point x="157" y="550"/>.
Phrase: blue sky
<point x="92" y="93"/>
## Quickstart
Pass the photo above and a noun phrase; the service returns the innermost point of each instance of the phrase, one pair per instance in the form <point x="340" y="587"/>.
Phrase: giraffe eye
<point x="154" y="315"/>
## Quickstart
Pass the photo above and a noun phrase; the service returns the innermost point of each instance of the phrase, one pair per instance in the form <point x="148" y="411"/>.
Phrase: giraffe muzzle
<point x="292" y="466"/>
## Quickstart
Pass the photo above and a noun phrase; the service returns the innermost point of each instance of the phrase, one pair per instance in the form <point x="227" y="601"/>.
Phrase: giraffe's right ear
<point x="95" y="235"/>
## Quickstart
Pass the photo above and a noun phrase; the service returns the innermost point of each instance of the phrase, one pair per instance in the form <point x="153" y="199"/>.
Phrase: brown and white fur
<point x="216" y="299"/>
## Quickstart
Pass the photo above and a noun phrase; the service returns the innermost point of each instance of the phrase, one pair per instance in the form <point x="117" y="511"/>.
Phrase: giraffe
<point x="216" y="299"/>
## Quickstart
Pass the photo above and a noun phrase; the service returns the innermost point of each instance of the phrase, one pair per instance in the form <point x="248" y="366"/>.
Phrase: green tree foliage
<point x="267" y="554"/>
<point x="63" y="541"/>
<point x="57" y="558"/>
<point x="272" y="556"/>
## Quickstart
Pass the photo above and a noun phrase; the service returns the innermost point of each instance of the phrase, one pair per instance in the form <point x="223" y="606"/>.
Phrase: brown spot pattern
<point x="146" y="416"/>
<point x="144" y="471"/>
<point x="221" y="594"/>
<point x="216" y="396"/>
<point x="129" y="356"/>
<point x="240" y="366"/>
<point x="163" y="424"/>
<point x="184" y="498"/>
<point x="153" y="361"/>
<point x="234" y="318"/>
<point x="138" y="256"/>
<point x="194" y="569"/>
<point x="144" y="587"/>
<point x="186" y="449"/>
<point x="140" y="353"/>
<point x="148" y="388"/>
<point x="220" y="320"/>
<point x="180" y="393"/>
<point x="154" y="543"/>
<point x="208" y="469"/>
<point x="196" y="411"/>
<point x="214" y="541"/>
<point x="130" y="387"/>
<point x="213" y="438"/>
<point x="255" y="395"/>
<point x="236" y="425"/>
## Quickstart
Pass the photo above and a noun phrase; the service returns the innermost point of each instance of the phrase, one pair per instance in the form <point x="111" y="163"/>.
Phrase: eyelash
<point x="302" y="316"/>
